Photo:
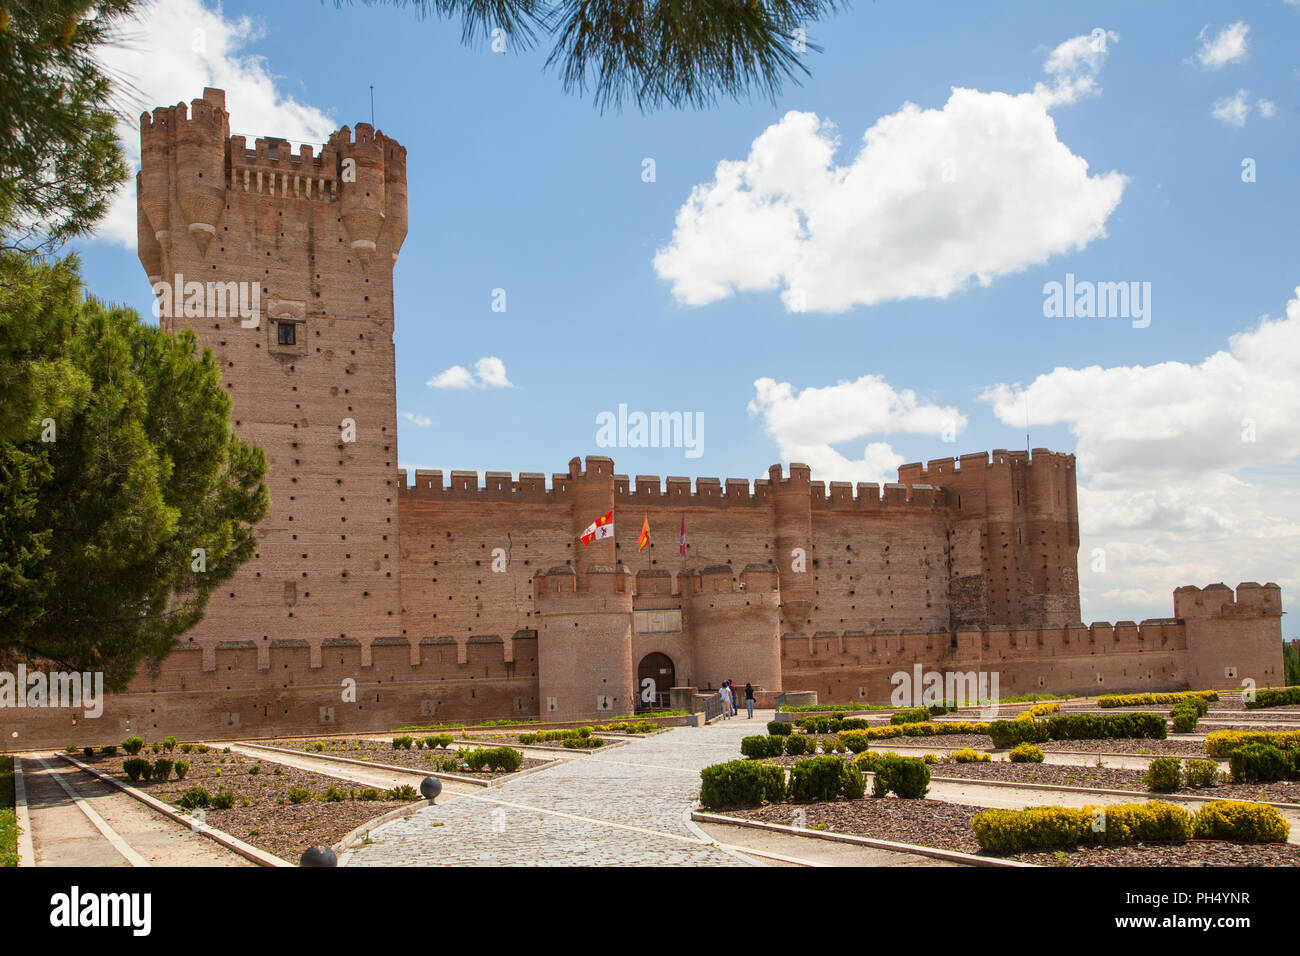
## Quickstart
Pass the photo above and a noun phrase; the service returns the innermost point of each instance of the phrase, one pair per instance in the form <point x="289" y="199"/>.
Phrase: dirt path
<point x="78" y="821"/>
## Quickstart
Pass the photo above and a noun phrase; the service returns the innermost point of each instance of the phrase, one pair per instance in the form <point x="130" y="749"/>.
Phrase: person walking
<point x="735" y="697"/>
<point x="725" y="694"/>
<point x="749" y="699"/>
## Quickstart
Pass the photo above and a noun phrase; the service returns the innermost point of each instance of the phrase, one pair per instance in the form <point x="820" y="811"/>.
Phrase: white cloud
<point x="170" y="52"/>
<point x="1190" y="468"/>
<point x="806" y="425"/>
<point x="933" y="200"/>
<point x="1227" y="46"/>
<point x="1234" y="110"/>
<point x="489" y="372"/>
<point x="420" y="421"/>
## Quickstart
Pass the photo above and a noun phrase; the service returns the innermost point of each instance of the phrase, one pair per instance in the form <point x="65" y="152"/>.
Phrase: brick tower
<point x="311" y="241"/>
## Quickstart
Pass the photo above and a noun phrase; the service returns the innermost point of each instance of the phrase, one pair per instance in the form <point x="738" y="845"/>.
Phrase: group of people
<point x="731" y="698"/>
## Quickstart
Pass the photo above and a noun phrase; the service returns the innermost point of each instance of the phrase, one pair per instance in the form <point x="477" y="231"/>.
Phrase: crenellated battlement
<point x="939" y="470"/>
<point x="1218" y="600"/>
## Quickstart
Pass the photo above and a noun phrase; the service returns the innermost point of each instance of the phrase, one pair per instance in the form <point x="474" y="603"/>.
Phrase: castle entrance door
<point x="658" y="668"/>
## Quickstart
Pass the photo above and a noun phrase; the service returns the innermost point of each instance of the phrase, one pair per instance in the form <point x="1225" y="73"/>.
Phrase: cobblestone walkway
<point x="620" y="807"/>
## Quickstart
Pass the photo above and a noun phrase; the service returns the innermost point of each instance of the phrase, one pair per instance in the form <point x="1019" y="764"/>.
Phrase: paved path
<point x="624" y="807"/>
<point x="98" y="826"/>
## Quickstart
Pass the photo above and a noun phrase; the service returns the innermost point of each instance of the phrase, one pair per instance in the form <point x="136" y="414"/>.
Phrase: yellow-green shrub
<point x="1135" y="700"/>
<point x="1221" y="743"/>
<point x="1049" y="828"/>
<point x="1241" y="821"/>
<point x="969" y="755"/>
<point x="1026" y="753"/>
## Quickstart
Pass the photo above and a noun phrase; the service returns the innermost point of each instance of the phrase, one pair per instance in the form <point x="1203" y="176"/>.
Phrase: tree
<point x="1290" y="664"/>
<point x="59" y="156"/>
<point x="124" y="505"/>
<point x="650" y="52"/>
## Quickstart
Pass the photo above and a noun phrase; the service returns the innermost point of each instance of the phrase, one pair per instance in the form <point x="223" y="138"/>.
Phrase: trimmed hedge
<point x="1052" y="828"/>
<point x="825" y="778"/>
<point x="1164" y="774"/>
<point x="1201" y="773"/>
<point x="780" y="728"/>
<point x="505" y="759"/>
<point x="1008" y="733"/>
<point x="913" y="715"/>
<point x="741" y="783"/>
<point x="926" y="729"/>
<point x="969" y="755"/>
<point x="1274" y="697"/>
<point x="908" y="777"/>
<point x="1135" y="700"/>
<point x="797" y="744"/>
<point x="1240" y="821"/>
<point x="1221" y="743"/>
<point x="1260" y="763"/>
<point x="1026" y="753"/>
<point x="756" y="748"/>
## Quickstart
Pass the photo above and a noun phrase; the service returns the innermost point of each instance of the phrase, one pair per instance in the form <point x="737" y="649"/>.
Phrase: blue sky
<point x="515" y="185"/>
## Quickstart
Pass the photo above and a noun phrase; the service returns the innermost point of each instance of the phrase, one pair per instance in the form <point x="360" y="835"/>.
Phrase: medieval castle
<point x="448" y="599"/>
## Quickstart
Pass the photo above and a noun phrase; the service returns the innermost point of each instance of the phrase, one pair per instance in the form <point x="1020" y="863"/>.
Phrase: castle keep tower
<point x="291" y="255"/>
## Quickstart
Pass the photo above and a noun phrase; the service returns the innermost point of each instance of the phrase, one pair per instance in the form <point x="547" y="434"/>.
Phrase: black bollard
<point x="319" y="856"/>
<point x="430" y="787"/>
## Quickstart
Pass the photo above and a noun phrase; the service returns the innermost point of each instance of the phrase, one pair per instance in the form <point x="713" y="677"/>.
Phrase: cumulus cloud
<point x="807" y="424"/>
<point x="419" y="421"/>
<point x="933" y="200"/>
<point x="169" y="53"/>
<point x="1234" y="110"/>
<point x="1190" y="468"/>
<point x="489" y="372"/>
<point x="1226" y="46"/>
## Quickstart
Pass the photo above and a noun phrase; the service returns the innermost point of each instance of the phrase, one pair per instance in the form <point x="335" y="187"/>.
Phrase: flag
<point x="602" y="527"/>
<point x="681" y="547"/>
<point x="643" y="541"/>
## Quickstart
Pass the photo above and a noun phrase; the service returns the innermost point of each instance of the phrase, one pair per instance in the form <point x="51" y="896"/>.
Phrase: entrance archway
<point x="658" y="668"/>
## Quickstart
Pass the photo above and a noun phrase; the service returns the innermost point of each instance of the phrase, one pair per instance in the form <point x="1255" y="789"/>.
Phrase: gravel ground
<point x="1171" y="746"/>
<point x="259" y="818"/>
<point x="946" y="826"/>
<point x="378" y="752"/>
<point x="1192" y="853"/>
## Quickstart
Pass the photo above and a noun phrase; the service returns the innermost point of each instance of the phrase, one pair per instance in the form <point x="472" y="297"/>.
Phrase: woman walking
<point x="749" y="699"/>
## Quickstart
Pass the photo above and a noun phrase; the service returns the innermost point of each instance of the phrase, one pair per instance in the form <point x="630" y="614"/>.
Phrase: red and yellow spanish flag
<point x="602" y="527"/>
<point x="644" y="540"/>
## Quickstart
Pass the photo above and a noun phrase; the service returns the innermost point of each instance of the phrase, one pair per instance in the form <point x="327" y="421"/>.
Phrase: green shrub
<point x="583" y="743"/>
<point x="1274" y="697"/>
<point x="1201" y="773"/>
<point x="756" y="748"/>
<point x="298" y="795"/>
<point x="403" y="792"/>
<point x="187" y="748"/>
<point x="1026" y="753"/>
<point x="1163" y="775"/>
<point x="740" y="783"/>
<point x="908" y="777"/>
<point x="780" y="728"/>
<point x="88" y="752"/>
<point x="403" y="743"/>
<point x="333" y="794"/>
<point x="913" y="715"/>
<point x="502" y="759"/>
<point x="195" y="798"/>
<point x="169" y="744"/>
<point x="1258" y="763"/>
<point x="225" y="800"/>
<point x="162" y="768"/>
<point x="853" y="723"/>
<point x="968" y="755"/>
<point x="832" y="745"/>
<point x="182" y="768"/>
<point x="1241" y="821"/>
<point x="109" y="751"/>
<point x="1008" y="733"/>
<point x="1184" y="717"/>
<point x="137" y="768"/>
<point x="817" y="778"/>
<point x="798" y="744"/>
<point x="368" y="793"/>
<point x="133" y="745"/>
<point x="155" y="747"/>
<point x="855" y="741"/>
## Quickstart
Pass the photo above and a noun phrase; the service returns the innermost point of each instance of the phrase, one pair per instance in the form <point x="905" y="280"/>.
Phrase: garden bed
<point x="263" y="814"/>
<point x="379" y="752"/>
<point x="1191" y="853"/>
